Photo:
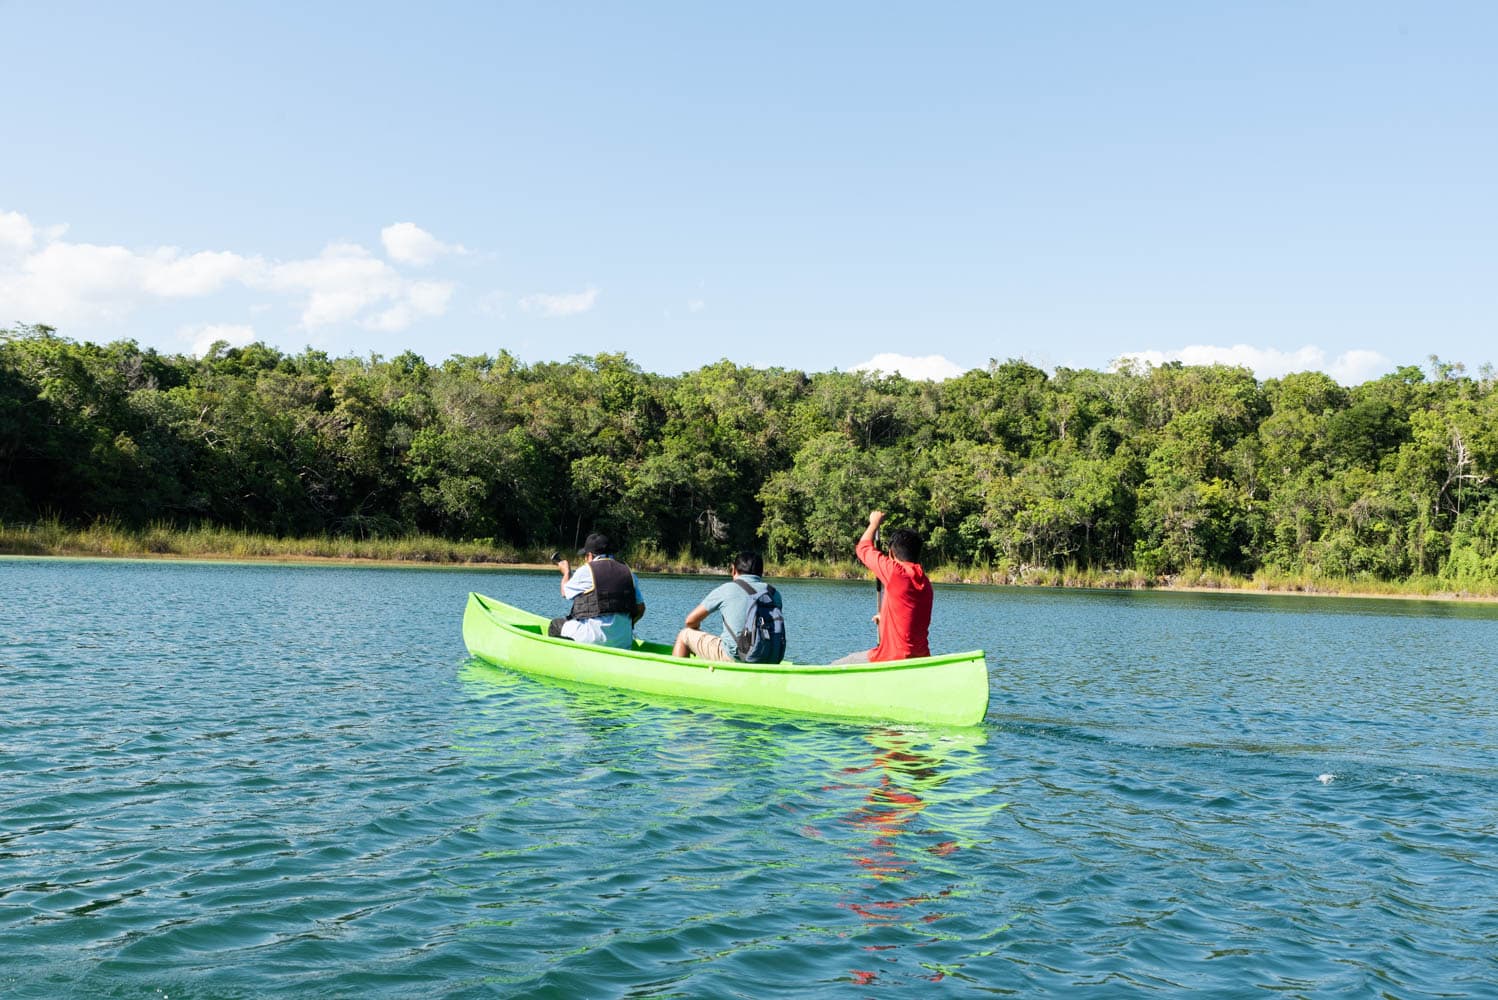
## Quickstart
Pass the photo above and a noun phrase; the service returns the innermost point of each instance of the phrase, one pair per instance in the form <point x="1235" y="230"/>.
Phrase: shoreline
<point x="943" y="577"/>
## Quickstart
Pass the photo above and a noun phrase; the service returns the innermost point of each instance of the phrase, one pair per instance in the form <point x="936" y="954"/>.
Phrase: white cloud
<point x="558" y="306"/>
<point x="346" y="283"/>
<point x="408" y="243"/>
<point x="929" y="368"/>
<point x="203" y="337"/>
<point x="17" y="235"/>
<point x="1348" y="368"/>
<point x="339" y="284"/>
<point x="174" y="277"/>
<point x="46" y="279"/>
<point x="72" y="282"/>
<point x="1357" y="367"/>
<point x="696" y="305"/>
<point x="420" y="299"/>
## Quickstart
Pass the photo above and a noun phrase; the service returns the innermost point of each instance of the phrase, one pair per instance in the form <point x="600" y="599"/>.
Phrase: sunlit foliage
<point x="1156" y="470"/>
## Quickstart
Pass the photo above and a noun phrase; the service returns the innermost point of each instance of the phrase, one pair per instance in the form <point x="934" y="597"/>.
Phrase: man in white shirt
<point x="605" y="596"/>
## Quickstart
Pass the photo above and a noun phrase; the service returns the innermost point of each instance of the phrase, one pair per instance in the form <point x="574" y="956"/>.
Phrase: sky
<point x="921" y="188"/>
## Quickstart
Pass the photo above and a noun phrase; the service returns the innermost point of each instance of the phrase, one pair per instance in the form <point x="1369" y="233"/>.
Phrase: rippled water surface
<point x="261" y="781"/>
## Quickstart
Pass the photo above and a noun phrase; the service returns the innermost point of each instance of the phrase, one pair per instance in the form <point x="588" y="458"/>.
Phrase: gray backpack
<point x="761" y="637"/>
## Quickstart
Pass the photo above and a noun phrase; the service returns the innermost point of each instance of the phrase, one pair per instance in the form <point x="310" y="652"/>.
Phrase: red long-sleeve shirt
<point x="905" y="613"/>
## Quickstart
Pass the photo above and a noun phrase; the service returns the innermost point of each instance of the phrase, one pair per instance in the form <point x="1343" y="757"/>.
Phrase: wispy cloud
<point x="46" y="279"/>
<point x="559" y="306"/>
<point x="1349" y="368"/>
<point x="18" y="236"/>
<point x="348" y="284"/>
<point x="408" y="243"/>
<point x="203" y="337"/>
<point x="418" y="300"/>
<point x="928" y="368"/>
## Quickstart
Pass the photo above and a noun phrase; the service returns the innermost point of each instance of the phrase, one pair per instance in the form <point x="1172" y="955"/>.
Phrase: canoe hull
<point x="940" y="690"/>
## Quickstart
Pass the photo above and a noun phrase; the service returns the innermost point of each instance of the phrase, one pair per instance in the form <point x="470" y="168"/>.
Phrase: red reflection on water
<point x="886" y="815"/>
<point x="888" y="809"/>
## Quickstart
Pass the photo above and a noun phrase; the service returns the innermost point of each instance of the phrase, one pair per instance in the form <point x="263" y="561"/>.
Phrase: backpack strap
<point x="752" y="592"/>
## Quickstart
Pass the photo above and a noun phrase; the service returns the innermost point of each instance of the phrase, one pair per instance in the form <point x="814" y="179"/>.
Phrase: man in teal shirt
<point x="734" y="602"/>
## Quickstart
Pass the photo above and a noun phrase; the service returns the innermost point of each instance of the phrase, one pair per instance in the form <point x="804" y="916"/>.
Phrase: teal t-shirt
<point x="732" y="603"/>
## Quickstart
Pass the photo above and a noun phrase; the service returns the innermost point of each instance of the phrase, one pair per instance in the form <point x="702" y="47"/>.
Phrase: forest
<point x="1155" y="470"/>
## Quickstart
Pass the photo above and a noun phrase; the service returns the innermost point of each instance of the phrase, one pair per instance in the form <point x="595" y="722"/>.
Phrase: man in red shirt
<point x="905" y="611"/>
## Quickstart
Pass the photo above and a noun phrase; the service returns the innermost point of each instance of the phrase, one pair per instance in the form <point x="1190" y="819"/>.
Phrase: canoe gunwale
<point x="652" y="651"/>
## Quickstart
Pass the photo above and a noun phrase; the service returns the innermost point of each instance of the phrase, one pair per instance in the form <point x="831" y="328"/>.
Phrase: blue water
<point x="271" y="781"/>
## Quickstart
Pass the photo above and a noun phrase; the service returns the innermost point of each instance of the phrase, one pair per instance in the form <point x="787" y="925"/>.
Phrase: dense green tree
<point x="829" y="489"/>
<point x="1159" y="469"/>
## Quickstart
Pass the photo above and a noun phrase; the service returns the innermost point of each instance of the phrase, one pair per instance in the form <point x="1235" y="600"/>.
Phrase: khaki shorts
<point x="705" y="645"/>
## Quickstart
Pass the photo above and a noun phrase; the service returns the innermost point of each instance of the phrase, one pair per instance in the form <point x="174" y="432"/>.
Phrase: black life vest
<point x="613" y="591"/>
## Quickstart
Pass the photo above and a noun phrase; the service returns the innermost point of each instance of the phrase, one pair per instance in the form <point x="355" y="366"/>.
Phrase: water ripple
<point x="318" y="795"/>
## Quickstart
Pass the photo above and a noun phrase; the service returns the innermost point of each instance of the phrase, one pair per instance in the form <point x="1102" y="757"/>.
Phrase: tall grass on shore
<point x="1264" y="581"/>
<point x="106" y="538"/>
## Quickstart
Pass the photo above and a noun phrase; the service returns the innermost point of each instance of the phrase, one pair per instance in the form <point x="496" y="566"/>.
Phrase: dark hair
<point x="749" y="561"/>
<point x="905" y="545"/>
<point x="598" y="544"/>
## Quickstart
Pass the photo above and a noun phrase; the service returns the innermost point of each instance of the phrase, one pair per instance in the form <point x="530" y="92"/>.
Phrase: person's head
<point x="749" y="562"/>
<point x="905" y="545"/>
<point x="597" y="544"/>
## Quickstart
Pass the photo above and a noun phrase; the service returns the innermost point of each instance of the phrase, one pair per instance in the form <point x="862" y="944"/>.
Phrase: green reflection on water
<point x="877" y="829"/>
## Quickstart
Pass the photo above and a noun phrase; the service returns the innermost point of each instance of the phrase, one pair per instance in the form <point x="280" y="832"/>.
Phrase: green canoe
<point x="938" y="690"/>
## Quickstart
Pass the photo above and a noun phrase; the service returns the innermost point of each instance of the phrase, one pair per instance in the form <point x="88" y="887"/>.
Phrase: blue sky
<point x="1291" y="185"/>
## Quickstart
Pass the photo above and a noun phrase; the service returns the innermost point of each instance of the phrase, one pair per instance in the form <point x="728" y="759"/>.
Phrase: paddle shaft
<point x="878" y="585"/>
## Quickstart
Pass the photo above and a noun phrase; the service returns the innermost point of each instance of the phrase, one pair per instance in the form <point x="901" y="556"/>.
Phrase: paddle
<point x="878" y="585"/>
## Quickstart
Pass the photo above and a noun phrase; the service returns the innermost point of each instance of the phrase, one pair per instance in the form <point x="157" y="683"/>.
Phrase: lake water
<point x="271" y="781"/>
